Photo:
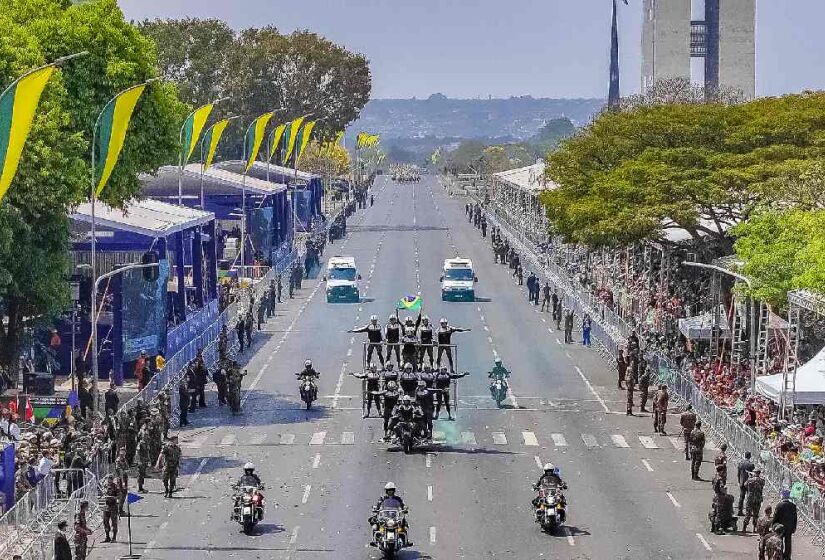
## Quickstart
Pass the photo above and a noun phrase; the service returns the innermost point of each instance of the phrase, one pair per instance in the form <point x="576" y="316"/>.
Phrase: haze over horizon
<point x="476" y="48"/>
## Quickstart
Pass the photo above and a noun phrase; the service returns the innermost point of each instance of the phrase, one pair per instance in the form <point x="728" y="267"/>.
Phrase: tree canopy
<point x="638" y="173"/>
<point x="54" y="171"/>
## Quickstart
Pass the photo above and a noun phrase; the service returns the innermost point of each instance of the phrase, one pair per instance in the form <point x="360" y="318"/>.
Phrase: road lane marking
<point x="590" y="440"/>
<point x="294" y="536"/>
<point x="468" y="438"/>
<point x="340" y="383"/>
<point x="674" y="441"/>
<point x="568" y="355"/>
<point x="558" y="440"/>
<point x="429" y="493"/>
<point x="647" y="465"/>
<point x="530" y="439"/>
<point x="198" y="472"/>
<point x="703" y="541"/>
<point x="429" y="460"/>
<point x="318" y="438"/>
<point x="619" y="441"/>
<point x="348" y="438"/>
<point x="228" y="439"/>
<point x="432" y="535"/>
<point x="592" y="390"/>
<point x="673" y="500"/>
<point x="648" y="442"/>
<point x="316" y="462"/>
<point x="305" y="497"/>
<point x="499" y="438"/>
<point x="287" y="439"/>
<point x="538" y="462"/>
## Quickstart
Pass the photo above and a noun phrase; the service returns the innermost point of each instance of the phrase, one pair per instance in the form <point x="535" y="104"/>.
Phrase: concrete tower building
<point x="725" y="39"/>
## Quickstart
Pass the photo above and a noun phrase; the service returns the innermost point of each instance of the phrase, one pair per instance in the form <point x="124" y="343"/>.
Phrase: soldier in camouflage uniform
<point x="234" y="379"/>
<point x="697" y="449"/>
<point x="755" y="487"/>
<point x="155" y="432"/>
<point x="644" y="383"/>
<point x="223" y="344"/>
<point x="632" y="379"/>
<point x="81" y="532"/>
<point x="111" y="510"/>
<point x="774" y="545"/>
<point x="143" y="456"/>
<point x="170" y="456"/>
<point x="131" y="428"/>
<point x="165" y="410"/>
<point x="763" y="529"/>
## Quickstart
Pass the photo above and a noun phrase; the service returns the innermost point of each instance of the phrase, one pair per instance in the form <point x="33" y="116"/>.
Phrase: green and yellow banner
<point x="290" y="137"/>
<point x="192" y="128"/>
<point x="18" y="104"/>
<point x="303" y="138"/>
<point x="211" y="139"/>
<point x="275" y="139"/>
<point x="111" y="132"/>
<point x="254" y="138"/>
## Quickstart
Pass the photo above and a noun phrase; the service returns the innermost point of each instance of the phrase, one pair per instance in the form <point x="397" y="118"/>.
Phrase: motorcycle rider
<point x="249" y="478"/>
<point x="551" y="479"/>
<point x="391" y="395"/>
<point x="442" y="385"/>
<point x="498" y="373"/>
<point x="308" y="373"/>
<point x="427" y="376"/>
<point x="390" y="374"/>
<point x="404" y="412"/>
<point x="373" y="388"/>
<point x="425" y="344"/>
<point x="409" y="344"/>
<point x="392" y="333"/>
<point x="375" y="336"/>
<point x="408" y="380"/>
<point x="425" y="399"/>
<point x="390" y="500"/>
<point x="445" y="335"/>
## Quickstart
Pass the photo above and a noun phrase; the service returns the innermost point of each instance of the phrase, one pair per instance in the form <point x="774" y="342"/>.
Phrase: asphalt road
<point x="469" y="495"/>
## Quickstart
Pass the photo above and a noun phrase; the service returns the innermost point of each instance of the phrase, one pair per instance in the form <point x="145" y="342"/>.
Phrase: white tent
<point x="699" y="327"/>
<point x="810" y="382"/>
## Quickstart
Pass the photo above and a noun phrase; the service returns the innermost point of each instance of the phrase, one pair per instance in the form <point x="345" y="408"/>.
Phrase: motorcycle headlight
<point x="390" y="524"/>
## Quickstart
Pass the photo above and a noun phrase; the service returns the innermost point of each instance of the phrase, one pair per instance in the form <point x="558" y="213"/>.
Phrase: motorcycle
<point x="389" y="532"/>
<point x="309" y="392"/>
<point x="408" y="435"/>
<point x="498" y="389"/>
<point x="248" y="509"/>
<point x="550" y="510"/>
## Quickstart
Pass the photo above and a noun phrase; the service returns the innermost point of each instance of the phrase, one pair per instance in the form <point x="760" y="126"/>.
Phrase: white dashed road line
<point x="647" y="465"/>
<point x="305" y="497"/>
<point x="673" y="500"/>
<point x="703" y="541"/>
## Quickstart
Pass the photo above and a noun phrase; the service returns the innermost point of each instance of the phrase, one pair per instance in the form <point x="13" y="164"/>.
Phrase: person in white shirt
<point x="9" y="428"/>
<point x="44" y="467"/>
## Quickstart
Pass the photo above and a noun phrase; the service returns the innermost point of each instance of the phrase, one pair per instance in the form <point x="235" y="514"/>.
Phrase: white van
<point x="458" y="280"/>
<point x="342" y="280"/>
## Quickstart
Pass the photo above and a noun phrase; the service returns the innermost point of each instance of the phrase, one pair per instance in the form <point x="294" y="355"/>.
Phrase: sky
<point x="480" y="48"/>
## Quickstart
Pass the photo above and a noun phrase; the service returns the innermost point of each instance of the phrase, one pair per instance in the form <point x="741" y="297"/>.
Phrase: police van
<point x="342" y="280"/>
<point x="458" y="280"/>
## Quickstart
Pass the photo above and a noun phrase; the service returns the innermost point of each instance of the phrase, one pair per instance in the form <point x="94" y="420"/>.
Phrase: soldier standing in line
<point x="279" y="286"/>
<point x="763" y="529"/>
<point x="143" y="456"/>
<point x="170" y="459"/>
<point x="688" y="421"/>
<point x="697" y="450"/>
<point x="630" y="383"/>
<point x="773" y="544"/>
<point x="644" y="383"/>
<point x="721" y="459"/>
<point x="110" y="511"/>
<point x="122" y="475"/>
<point x="81" y="532"/>
<point x="661" y="400"/>
<point x="755" y="487"/>
<point x="183" y="402"/>
<point x="165" y="409"/>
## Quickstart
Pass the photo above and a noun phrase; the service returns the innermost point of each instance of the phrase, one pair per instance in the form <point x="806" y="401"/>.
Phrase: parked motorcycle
<point x="248" y="507"/>
<point x="550" y="510"/>
<point x="389" y="532"/>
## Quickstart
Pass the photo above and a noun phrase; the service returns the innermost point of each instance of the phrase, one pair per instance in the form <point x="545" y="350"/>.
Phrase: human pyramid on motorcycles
<point x="410" y="391"/>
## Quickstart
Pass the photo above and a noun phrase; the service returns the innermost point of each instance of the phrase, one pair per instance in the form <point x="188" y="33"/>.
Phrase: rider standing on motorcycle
<point x="445" y="335"/>
<point x="408" y="380"/>
<point x="392" y="333"/>
<point x="391" y="395"/>
<point x="427" y="377"/>
<point x="373" y="388"/>
<point x="442" y="385"/>
<point x="425" y="345"/>
<point x="389" y="374"/>
<point x="404" y="412"/>
<point x="375" y="337"/>
<point x="424" y="398"/>
<point x="409" y="343"/>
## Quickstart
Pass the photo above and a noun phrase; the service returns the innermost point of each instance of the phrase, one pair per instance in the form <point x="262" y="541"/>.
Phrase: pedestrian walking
<point x="743" y="473"/>
<point x="697" y="450"/>
<point x="545" y="297"/>
<point x="248" y="323"/>
<point x="644" y="383"/>
<point x="219" y="377"/>
<point x="111" y="510"/>
<point x="621" y="367"/>
<point x="279" y="284"/>
<point x="587" y="324"/>
<point x="660" y="403"/>
<point x="785" y="513"/>
<point x="631" y="387"/>
<point x="774" y="543"/>
<point x="262" y="310"/>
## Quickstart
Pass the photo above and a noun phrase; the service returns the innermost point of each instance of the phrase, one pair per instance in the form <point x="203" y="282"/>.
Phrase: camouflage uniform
<point x="143" y="458"/>
<point x="755" y="487"/>
<point x="81" y="535"/>
<point x="111" y="510"/>
<point x="171" y="463"/>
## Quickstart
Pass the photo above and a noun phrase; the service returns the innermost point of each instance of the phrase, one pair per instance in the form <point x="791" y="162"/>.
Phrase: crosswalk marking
<point x="257" y="439"/>
<point x="499" y="438"/>
<point x="674" y="441"/>
<point x="558" y="440"/>
<point x="530" y="439"/>
<point x="468" y="438"/>
<point x="348" y="438"/>
<point x="287" y="439"/>
<point x="590" y="440"/>
<point x="619" y="441"/>
<point x="228" y="439"/>
<point x="648" y="442"/>
<point x="318" y="438"/>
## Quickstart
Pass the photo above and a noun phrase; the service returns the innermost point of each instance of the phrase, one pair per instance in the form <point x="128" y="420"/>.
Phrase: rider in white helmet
<point x="249" y="478"/>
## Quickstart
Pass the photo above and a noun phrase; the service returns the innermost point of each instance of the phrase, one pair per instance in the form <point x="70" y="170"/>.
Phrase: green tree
<point x="549" y="136"/>
<point x="54" y="171"/>
<point x="637" y="174"/>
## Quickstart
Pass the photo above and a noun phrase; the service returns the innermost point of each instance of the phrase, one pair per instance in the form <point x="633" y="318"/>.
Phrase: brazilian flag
<point x="254" y="137"/>
<point x="410" y="303"/>
<point x="18" y="104"/>
<point x="111" y="129"/>
<point x="192" y="128"/>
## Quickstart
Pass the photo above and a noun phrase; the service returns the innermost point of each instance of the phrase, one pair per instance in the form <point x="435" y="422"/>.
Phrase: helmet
<point x="249" y="467"/>
<point x="443" y="369"/>
<point x="392" y="385"/>
<point x="308" y="363"/>
<point x="373" y="318"/>
<point x="498" y="361"/>
<point x="443" y="321"/>
<point x="373" y="367"/>
<point x="407" y="399"/>
<point x="422" y="383"/>
<point x="393" y="318"/>
<point x="408" y="366"/>
<point x="408" y="321"/>
<point x="549" y="467"/>
<point x="389" y="488"/>
<point x="389" y="366"/>
<point x="425" y="319"/>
